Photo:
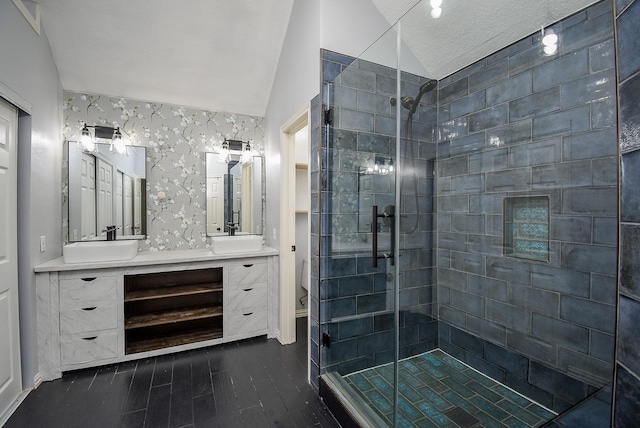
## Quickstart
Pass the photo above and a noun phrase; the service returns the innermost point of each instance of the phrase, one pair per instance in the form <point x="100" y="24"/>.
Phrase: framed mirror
<point x="106" y="189"/>
<point x="234" y="194"/>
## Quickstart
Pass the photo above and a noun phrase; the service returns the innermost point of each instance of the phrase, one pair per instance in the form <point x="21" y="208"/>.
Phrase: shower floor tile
<point x="434" y="385"/>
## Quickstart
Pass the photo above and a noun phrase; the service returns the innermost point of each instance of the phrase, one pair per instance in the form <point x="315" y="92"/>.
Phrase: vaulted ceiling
<point x="223" y="54"/>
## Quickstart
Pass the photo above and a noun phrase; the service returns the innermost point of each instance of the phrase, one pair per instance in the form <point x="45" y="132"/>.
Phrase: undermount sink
<point x="99" y="251"/>
<point x="236" y="244"/>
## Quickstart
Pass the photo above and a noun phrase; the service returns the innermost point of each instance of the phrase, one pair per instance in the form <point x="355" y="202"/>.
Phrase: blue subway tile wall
<point x="520" y="125"/>
<point x="627" y="380"/>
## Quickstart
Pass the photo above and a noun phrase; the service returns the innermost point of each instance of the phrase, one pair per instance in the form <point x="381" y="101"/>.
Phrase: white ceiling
<point x="222" y="55"/>
<point x="215" y="54"/>
<point x="469" y="30"/>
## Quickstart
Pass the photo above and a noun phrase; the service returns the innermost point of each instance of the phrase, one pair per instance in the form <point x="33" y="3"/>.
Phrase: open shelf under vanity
<point x="168" y="309"/>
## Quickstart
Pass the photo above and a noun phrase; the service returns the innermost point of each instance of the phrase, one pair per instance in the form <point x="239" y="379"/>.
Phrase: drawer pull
<point x="89" y="279"/>
<point x="247" y="289"/>
<point x="246" y="315"/>
<point x="90" y="338"/>
<point x="248" y="266"/>
<point x="93" y="308"/>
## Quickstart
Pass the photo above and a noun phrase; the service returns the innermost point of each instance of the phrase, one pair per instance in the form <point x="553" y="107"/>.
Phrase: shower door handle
<point x="387" y="213"/>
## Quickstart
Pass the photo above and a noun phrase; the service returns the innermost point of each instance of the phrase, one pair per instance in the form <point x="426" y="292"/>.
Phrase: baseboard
<point x="300" y="313"/>
<point x="4" y="417"/>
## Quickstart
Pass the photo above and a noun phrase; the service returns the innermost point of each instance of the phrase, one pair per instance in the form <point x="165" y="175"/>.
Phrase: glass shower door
<point x="358" y="258"/>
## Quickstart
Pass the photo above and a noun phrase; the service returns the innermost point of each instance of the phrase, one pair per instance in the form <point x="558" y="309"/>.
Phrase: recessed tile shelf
<point x="526" y="227"/>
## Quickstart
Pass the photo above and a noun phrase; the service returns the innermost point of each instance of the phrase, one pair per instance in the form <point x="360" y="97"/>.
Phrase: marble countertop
<point x="149" y="258"/>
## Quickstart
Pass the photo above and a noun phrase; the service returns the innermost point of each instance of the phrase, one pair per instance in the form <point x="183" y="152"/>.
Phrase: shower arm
<point x="374" y="232"/>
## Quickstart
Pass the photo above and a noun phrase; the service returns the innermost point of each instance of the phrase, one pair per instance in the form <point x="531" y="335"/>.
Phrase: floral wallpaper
<point x="176" y="139"/>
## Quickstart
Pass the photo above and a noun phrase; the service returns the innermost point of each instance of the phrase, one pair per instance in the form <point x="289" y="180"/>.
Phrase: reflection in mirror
<point x="234" y="195"/>
<point x="106" y="189"/>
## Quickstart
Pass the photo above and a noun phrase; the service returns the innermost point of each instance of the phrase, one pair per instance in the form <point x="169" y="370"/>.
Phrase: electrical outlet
<point x="43" y="244"/>
<point x="275" y="234"/>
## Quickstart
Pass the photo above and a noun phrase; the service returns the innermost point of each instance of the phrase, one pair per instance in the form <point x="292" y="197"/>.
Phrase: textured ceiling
<point x="222" y="55"/>
<point x="469" y="30"/>
<point x="215" y="54"/>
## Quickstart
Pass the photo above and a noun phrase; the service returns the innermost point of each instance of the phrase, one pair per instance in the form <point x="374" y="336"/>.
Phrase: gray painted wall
<point x="28" y="71"/>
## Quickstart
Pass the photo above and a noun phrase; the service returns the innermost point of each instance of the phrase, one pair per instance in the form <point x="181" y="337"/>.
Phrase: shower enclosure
<point x="464" y="230"/>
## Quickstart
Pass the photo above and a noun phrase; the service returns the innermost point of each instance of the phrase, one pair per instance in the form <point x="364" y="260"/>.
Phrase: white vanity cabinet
<point x="246" y="296"/>
<point x="88" y="318"/>
<point x="101" y="313"/>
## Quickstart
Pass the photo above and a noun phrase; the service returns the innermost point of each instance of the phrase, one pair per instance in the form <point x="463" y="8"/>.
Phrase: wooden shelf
<point x="167" y="309"/>
<point x="173" y="340"/>
<point x="172" y="291"/>
<point x="171" y="317"/>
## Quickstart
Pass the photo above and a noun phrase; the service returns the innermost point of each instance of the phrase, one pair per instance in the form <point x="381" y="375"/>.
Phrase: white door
<point x="88" y="196"/>
<point x="117" y="203"/>
<point x="127" y="205"/>
<point x="215" y="204"/>
<point x="137" y="207"/>
<point x="105" y="196"/>
<point x="10" y="370"/>
<point x="237" y="200"/>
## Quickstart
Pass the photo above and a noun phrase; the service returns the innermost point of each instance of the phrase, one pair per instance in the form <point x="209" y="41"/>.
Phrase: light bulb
<point x="246" y="154"/>
<point x="550" y="49"/>
<point x="436" y="3"/>
<point x="117" y="143"/>
<point x="550" y="38"/>
<point x="224" y="153"/>
<point x="436" y="12"/>
<point x="86" y="142"/>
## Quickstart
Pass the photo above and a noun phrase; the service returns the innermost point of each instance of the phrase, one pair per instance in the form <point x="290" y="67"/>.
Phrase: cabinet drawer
<point x="87" y="292"/>
<point x="92" y="348"/>
<point x="250" y="322"/>
<point x="247" y="298"/>
<point x="247" y="274"/>
<point x="88" y="319"/>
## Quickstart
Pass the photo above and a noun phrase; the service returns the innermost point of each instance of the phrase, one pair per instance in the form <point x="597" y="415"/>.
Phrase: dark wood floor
<point x="251" y="383"/>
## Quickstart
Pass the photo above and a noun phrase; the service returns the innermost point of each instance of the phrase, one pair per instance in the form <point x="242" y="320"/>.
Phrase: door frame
<point x="287" y="223"/>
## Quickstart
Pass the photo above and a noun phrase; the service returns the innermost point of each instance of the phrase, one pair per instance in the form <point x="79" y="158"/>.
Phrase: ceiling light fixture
<point x="549" y="41"/>
<point x="436" y="10"/>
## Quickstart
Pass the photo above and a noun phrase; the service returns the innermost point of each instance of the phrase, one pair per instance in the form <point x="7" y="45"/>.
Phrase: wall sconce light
<point x="242" y="148"/>
<point x="247" y="153"/>
<point x="381" y="166"/>
<point x="223" y="155"/>
<point x="549" y="41"/>
<point x="87" y="140"/>
<point x="117" y="143"/>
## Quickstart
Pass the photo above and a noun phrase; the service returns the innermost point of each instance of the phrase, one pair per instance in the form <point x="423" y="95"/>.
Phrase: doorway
<point x="294" y="230"/>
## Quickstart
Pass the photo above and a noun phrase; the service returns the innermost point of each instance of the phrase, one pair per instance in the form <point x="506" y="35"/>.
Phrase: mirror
<point x="106" y="189"/>
<point x="234" y="195"/>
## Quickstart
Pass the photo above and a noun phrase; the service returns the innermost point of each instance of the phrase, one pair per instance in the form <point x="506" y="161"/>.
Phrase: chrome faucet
<point x="111" y="232"/>
<point x="232" y="228"/>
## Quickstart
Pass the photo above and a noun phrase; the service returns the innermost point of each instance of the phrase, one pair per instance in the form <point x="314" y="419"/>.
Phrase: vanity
<point x="96" y="313"/>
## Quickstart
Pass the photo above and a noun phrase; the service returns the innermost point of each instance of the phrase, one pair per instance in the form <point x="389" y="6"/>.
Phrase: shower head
<point x="429" y="85"/>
